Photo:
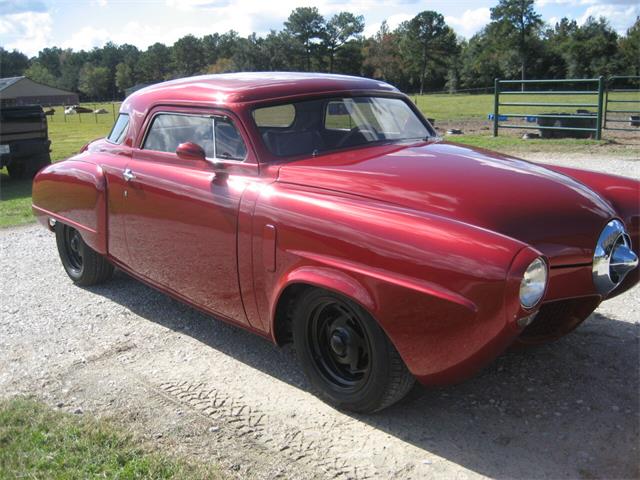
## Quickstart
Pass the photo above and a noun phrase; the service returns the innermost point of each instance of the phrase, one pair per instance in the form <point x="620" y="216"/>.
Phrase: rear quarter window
<point x="229" y="143"/>
<point x="119" y="129"/>
<point x="279" y="116"/>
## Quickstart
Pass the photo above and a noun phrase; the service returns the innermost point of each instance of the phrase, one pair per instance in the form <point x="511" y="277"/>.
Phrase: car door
<point x="116" y="152"/>
<point x="181" y="215"/>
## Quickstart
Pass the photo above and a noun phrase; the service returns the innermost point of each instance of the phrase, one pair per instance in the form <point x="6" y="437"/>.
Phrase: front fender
<point x="624" y="196"/>
<point x="327" y="278"/>
<point x="73" y="192"/>
<point x="440" y="289"/>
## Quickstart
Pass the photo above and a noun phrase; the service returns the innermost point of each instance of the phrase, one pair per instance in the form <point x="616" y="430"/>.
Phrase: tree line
<point x="421" y="54"/>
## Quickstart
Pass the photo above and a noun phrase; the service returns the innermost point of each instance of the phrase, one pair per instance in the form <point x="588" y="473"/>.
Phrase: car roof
<point x="251" y="87"/>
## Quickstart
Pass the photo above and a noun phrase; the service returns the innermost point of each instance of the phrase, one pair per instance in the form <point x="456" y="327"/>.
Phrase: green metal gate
<point x="593" y="87"/>
<point x="611" y="90"/>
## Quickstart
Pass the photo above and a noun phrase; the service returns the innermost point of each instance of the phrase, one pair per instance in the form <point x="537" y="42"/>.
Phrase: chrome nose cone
<point x="612" y="258"/>
<point x="623" y="260"/>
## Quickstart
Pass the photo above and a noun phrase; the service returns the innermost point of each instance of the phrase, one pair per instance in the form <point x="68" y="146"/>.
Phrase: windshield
<point x="315" y="126"/>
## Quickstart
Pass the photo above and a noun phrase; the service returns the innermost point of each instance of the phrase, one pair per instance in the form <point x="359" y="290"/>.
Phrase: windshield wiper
<point x="424" y="139"/>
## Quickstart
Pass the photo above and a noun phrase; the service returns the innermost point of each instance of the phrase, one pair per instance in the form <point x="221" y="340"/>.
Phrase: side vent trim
<point x="269" y="247"/>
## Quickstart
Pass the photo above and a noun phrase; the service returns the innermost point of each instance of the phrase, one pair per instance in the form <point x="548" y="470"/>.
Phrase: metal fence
<point x="56" y="114"/>
<point x="594" y="87"/>
<point x="619" y="84"/>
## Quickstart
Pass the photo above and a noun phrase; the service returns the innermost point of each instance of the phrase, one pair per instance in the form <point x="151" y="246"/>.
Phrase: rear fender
<point x="73" y="192"/>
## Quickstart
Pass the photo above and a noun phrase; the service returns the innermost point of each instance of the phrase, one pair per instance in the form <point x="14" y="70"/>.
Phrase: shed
<point x="16" y="91"/>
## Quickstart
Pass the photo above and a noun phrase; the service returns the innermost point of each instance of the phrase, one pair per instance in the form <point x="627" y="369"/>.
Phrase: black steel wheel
<point x="84" y="265"/>
<point x="73" y="250"/>
<point x="346" y="355"/>
<point x="339" y="344"/>
<point x="26" y="168"/>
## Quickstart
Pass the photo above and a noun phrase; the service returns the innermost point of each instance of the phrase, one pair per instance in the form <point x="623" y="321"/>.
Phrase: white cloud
<point x="544" y="3"/>
<point x="248" y="16"/>
<point x="620" y="13"/>
<point x="581" y="3"/>
<point x="28" y="32"/>
<point x="86" y="38"/>
<point x="83" y="27"/>
<point x="619" y="16"/>
<point x="141" y="35"/>
<point x="392" y="22"/>
<point x="470" y="21"/>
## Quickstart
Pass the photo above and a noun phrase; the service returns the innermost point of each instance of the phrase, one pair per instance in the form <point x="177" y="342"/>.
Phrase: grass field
<point x="69" y="133"/>
<point x="39" y="442"/>
<point x="464" y="106"/>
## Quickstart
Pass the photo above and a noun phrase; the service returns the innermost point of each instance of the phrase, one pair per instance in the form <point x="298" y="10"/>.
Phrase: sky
<point x="30" y="25"/>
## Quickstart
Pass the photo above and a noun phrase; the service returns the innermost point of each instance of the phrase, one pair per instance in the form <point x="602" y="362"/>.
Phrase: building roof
<point x="6" y="82"/>
<point x="15" y="87"/>
<point x="252" y="87"/>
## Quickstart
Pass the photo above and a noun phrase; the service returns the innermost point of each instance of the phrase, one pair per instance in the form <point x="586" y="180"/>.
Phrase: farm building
<point x="24" y="91"/>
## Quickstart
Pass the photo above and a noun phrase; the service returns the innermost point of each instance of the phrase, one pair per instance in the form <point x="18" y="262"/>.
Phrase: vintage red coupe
<point x="324" y="210"/>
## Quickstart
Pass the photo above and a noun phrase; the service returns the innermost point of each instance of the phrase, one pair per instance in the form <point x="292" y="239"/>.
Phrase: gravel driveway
<point x="191" y="384"/>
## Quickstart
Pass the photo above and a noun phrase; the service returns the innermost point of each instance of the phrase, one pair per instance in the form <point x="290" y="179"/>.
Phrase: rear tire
<point x="16" y="171"/>
<point x="346" y="355"/>
<point x="84" y="265"/>
<point x="26" y="168"/>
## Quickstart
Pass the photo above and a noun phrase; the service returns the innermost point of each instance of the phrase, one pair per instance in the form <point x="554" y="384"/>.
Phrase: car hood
<point x="552" y="212"/>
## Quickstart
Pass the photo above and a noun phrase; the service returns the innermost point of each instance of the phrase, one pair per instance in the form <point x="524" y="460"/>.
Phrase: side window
<point x="280" y="116"/>
<point x="229" y="143"/>
<point x="170" y="130"/>
<point x="119" y="129"/>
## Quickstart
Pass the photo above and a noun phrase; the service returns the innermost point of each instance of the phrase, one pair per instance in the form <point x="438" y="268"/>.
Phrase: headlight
<point x="533" y="283"/>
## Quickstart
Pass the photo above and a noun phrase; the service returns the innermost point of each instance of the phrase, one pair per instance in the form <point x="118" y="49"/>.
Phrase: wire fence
<point x="90" y="112"/>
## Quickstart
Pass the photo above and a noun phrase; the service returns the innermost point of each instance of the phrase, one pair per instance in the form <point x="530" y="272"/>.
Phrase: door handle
<point x="128" y="175"/>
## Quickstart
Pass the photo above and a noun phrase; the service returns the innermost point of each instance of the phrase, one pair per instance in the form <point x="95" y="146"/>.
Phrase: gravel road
<point x="194" y="385"/>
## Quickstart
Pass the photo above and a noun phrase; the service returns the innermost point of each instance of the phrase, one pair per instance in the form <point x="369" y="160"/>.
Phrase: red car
<point x="324" y="210"/>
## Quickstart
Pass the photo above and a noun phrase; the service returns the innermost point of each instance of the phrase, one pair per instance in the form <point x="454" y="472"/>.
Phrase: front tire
<point x="346" y="355"/>
<point x="84" y="265"/>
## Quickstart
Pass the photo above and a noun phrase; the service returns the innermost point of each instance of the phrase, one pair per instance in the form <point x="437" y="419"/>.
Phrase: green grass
<point x="39" y="442"/>
<point x="515" y="145"/>
<point x="68" y="139"/>
<point x="15" y="201"/>
<point x="463" y="106"/>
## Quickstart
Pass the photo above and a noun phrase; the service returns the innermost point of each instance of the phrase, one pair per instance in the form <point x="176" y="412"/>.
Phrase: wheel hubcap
<point x="73" y="248"/>
<point x="340" y="345"/>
